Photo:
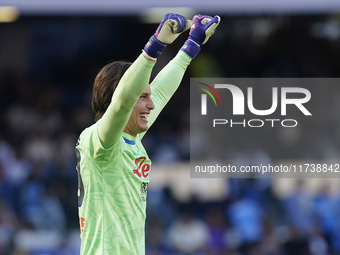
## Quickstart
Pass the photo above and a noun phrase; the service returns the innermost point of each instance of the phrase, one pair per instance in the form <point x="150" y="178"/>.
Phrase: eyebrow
<point x="145" y="94"/>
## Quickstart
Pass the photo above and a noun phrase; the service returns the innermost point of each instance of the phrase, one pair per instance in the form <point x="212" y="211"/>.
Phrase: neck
<point x="129" y="132"/>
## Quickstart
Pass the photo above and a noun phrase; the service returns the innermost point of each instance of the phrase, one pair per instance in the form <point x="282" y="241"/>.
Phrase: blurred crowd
<point x="45" y="107"/>
<point x="250" y="221"/>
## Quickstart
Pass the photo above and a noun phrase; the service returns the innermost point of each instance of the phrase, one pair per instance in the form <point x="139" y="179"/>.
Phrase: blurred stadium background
<point x="50" y="53"/>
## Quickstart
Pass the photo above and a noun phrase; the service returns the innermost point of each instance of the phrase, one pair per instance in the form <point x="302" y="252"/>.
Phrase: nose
<point x="150" y="105"/>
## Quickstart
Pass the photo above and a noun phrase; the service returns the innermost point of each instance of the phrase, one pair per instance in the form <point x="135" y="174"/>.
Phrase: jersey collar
<point x="129" y="139"/>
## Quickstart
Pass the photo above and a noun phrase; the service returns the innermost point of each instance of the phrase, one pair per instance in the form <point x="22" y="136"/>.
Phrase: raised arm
<point x="136" y="79"/>
<point x="128" y="90"/>
<point x="169" y="78"/>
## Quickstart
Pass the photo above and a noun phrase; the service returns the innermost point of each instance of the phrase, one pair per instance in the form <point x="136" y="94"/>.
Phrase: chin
<point x="143" y="128"/>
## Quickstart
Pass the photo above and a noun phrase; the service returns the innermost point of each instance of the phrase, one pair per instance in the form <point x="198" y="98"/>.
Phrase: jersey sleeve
<point x="90" y="144"/>
<point x="166" y="83"/>
<point x="129" y="89"/>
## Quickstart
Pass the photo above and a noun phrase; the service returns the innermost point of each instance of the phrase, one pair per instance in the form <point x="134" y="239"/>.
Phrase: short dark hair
<point x="105" y="84"/>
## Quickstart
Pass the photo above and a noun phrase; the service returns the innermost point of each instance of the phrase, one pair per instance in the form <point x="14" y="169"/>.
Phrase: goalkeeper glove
<point x="204" y="27"/>
<point x="168" y="30"/>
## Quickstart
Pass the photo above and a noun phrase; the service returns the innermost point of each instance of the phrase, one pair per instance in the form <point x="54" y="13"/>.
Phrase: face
<point x="138" y="122"/>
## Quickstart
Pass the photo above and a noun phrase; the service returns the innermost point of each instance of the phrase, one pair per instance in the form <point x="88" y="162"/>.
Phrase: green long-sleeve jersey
<point x="113" y="166"/>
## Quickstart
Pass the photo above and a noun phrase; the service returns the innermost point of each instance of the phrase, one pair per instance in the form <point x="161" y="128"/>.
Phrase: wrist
<point x="148" y="58"/>
<point x="191" y="48"/>
<point x="154" y="48"/>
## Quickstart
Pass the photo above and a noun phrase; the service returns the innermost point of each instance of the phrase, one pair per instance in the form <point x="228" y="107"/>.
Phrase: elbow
<point x="125" y="102"/>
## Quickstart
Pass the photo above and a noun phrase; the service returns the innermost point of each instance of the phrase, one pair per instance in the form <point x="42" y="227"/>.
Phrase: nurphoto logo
<point x="238" y="105"/>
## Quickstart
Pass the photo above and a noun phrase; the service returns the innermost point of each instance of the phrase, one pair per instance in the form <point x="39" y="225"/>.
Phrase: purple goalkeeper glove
<point x="204" y="27"/>
<point x="168" y="30"/>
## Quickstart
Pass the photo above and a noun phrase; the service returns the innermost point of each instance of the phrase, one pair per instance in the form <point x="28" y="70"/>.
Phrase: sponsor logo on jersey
<point x="81" y="224"/>
<point x="143" y="191"/>
<point x="142" y="169"/>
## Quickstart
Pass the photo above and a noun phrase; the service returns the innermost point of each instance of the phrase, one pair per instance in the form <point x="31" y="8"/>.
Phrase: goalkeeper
<point x="113" y="166"/>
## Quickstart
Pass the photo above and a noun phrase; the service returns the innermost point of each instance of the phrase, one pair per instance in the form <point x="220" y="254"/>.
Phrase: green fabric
<point x="129" y="89"/>
<point x="113" y="208"/>
<point x="166" y="83"/>
<point x="114" y="174"/>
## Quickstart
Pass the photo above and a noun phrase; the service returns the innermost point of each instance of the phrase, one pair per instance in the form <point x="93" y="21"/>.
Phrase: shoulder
<point x="86" y="134"/>
<point x="90" y="144"/>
